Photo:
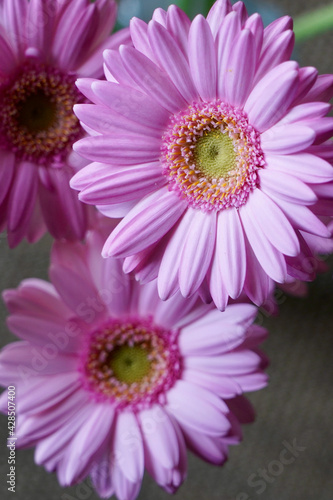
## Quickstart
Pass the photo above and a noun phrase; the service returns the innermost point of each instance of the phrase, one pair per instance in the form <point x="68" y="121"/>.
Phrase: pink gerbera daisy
<point x="44" y="46"/>
<point x="211" y="144"/>
<point x="111" y="379"/>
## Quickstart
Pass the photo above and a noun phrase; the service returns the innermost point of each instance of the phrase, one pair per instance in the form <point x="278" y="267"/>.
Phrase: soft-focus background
<point x="296" y="409"/>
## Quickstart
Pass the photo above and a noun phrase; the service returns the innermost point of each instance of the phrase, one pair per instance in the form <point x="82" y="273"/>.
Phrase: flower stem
<point x="313" y="23"/>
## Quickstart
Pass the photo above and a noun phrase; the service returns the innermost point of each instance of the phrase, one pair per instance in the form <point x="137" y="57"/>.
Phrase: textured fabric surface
<point x="294" y="413"/>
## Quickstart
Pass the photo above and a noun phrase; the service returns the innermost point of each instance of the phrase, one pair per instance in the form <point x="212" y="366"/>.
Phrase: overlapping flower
<point x="213" y="147"/>
<point x="44" y="46"/>
<point x="112" y="380"/>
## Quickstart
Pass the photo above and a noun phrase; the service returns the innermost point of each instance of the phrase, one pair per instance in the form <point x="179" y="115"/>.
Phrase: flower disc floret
<point x="211" y="155"/>
<point x="38" y="123"/>
<point x="131" y="362"/>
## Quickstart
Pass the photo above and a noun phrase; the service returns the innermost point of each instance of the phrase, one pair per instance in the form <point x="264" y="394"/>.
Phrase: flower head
<point x="213" y="147"/>
<point x="111" y="379"/>
<point x="45" y="46"/>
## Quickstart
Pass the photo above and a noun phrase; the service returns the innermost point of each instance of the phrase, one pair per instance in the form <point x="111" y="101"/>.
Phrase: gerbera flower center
<point x="211" y="155"/>
<point x="133" y="362"/>
<point x="37" y="122"/>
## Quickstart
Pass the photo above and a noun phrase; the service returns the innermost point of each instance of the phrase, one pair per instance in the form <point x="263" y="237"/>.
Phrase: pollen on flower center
<point x="38" y="123"/>
<point x="211" y="155"/>
<point x="132" y="362"/>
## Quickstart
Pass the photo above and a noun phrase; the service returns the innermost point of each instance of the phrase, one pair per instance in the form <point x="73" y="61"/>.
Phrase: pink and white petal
<point x="7" y="168"/>
<point x="216" y="14"/>
<point x="124" y="185"/>
<point x="274" y="224"/>
<point x="40" y="425"/>
<point x="225" y="39"/>
<point x="230" y="251"/>
<point x="41" y="396"/>
<point x="307" y="167"/>
<point x="197" y="408"/>
<point x="115" y="71"/>
<point x="23" y="196"/>
<point x="89" y="174"/>
<point x="131" y="103"/>
<point x="230" y="364"/>
<point x="322" y="90"/>
<point x="39" y="27"/>
<point x="151" y="79"/>
<point x="271" y="97"/>
<point x="255" y="25"/>
<point x="285" y="186"/>
<point x="129" y="149"/>
<point x="159" y="435"/>
<point x="271" y="260"/>
<point x="139" y="35"/>
<point x="36" y="296"/>
<point x="128" y="447"/>
<point x="257" y="282"/>
<point x="172" y="60"/>
<point x="149" y="221"/>
<point x="202" y="58"/>
<point x="118" y="210"/>
<point x="222" y="385"/>
<point x="251" y="381"/>
<point x="89" y="440"/>
<point x="124" y="489"/>
<point x="178" y="23"/>
<point x="240" y="69"/>
<point x="197" y="252"/>
<point x="101" y="476"/>
<point x="303" y="218"/>
<point x="211" y="335"/>
<point x="217" y="288"/>
<point x="274" y="29"/>
<point x="206" y="447"/>
<point x="167" y="281"/>
<point x="306" y="112"/>
<point x="277" y="52"/>
<point x="287" y="139"/>
<point x="57" y="442"/>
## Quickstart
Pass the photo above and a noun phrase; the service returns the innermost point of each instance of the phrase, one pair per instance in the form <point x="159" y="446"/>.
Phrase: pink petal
<point x="271" y="260"/>
<point x="7" y="168"/>
<point x="208" y="448"/>
<point x="287" y="139"/>
<point x="257" y="283"/>
<point x="171" y="260"/>
<point x="229" y="30"/>
<point x="274" y="29"/>
<point x="131" y="103"/>
<point x="159" y="435"/>
<point x="40" y="25"/>
<point x="240" y="69"/>
<point x="322" y="90"/>
<point x="305" y="166"/>
<point x="119" y="187"/>
<point x="197" y="252"/>
<point x="128" y="447"/>
<point x="286" y="186"/>
<point x="152" y="79"/>
<point x="216" y="15"/>
<point x="178" y="24"/>
<point x="197" y="408"/>
<point x="306" y="112"/>
<point x="223" y="386"/>
<point x="272" y="96"/>
<point x="255" y="25"/>
<point x="23" y="196"/>
<point x="231" y="363"/>
<point x="8" y="61"/>
<point x="172" y="60"/>
<point x="230" y="251"/>
<point x="121" y="149"/>
<point x="89" y="439"/>
<point x="124" y="489"/>
<point x="139" y="35"/>
<point x="202" y="58"/>
<point x="277" y="52"/>
<point x="151" y="219"/>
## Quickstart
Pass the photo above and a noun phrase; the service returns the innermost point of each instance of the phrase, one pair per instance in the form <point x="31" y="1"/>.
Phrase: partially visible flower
<point x="112" y="380"/>
<point x="217" y="156"/>
<point x="44" y="46"/>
